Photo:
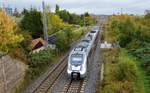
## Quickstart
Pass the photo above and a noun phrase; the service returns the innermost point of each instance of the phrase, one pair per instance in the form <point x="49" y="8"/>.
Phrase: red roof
<point x="36" y="41"/>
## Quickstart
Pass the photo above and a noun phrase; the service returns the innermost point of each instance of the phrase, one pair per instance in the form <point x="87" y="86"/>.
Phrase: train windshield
<point x="76" y="59"/>
<point x="93" y="31"/>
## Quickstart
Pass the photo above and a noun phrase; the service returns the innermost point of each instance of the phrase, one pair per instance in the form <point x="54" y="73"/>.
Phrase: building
<point x="38" y="43"/>
<point x="51" y="41"/>
<point x="147" y="11"/>
<point x="15" y="13"/>
<point x="9" y="11"/>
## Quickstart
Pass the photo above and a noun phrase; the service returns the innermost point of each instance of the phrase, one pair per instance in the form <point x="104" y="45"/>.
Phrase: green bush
<point x="61" y="42"/>
<point x="122" y="76"/>
<point x="126" y="70"/>
<point x="66" y="37"/>
<point x="38" y="62"/>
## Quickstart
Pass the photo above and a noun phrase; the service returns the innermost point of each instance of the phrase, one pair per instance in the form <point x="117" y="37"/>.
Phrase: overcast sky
<point x="81" y="6"/>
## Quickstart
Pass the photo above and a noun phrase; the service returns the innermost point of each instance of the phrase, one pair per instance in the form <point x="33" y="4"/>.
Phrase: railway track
<point x="73" y="86"/>
<point x="49" y="81"/>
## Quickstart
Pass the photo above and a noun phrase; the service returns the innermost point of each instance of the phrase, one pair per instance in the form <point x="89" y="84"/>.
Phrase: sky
<point x="107" y="7"/>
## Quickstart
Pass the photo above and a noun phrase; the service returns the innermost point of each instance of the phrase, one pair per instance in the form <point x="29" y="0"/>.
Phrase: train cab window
<point x="93" y="31"/>
<point x="76" y="59"/>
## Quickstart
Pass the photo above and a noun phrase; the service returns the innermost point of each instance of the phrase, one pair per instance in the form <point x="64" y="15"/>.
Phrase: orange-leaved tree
<point x="9" y="33"/>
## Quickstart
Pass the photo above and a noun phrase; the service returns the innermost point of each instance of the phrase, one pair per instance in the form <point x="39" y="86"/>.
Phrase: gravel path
<point x="93" y="71"/>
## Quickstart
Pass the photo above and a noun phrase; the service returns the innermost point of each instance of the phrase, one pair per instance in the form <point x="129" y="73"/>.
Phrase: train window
<point x="90" y="36"/>
<point x="78" y="49"/>
<point x="86" y="41"/>
<point x="76" y="59"/>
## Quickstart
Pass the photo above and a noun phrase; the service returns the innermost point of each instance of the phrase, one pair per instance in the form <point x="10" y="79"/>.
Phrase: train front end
<point x="77" y="65"/>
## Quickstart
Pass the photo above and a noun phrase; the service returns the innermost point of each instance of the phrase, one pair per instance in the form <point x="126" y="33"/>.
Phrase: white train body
<point x="78" y="57"/>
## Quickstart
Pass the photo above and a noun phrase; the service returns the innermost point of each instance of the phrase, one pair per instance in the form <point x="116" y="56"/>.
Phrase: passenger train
<point x="78" y="57"/>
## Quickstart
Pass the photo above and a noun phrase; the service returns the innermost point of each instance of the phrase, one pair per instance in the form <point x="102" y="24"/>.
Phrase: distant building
<point x="147" y="11"/>
<point x="9" y="11"/>
<point x="16" y="13"/>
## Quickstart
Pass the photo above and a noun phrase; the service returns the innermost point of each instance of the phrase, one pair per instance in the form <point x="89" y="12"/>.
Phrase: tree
<point x="65" y="15"/>
<point x="57" y="9"/>
<point x="61" y="42"/>
<point x="54" y="23"/>
<point x="75" y="19"/>
<point x="72" y="18"/>
<point x="86" y="14"/>
<point x="24" y="11"/>
<point x="9" y="36"/>
<point x="69" y="35"/>
<point x="89" y="20"/>
<point x="147" y="16"/>
<point x="32" y="23"/>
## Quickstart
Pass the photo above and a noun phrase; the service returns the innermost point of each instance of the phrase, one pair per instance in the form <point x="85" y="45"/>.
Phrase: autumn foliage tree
<point x="54" y="23"/>
<point x="9" y="37"/>
<point x="131" y="31"/>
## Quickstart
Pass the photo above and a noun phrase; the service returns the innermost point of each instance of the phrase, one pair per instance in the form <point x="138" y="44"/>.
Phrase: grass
<point x="144" y="77"/>
<point x="122" y="73"/>
<point x="143" y="57"/>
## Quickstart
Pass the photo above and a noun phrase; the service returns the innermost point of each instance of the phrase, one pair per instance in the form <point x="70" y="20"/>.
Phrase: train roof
<point x="86" y="40"/>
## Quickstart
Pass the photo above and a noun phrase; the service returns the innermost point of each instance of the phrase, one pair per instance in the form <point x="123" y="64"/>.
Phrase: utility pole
<point x="44" y="20"/>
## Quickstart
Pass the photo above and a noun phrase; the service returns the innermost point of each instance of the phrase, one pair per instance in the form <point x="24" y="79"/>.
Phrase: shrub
<point x="119" y="87"/>
<point x="126" y="70"/>
<point x="122" y="76"/>
<point x="38" y="62"/>
<point x="19" y="53"/>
